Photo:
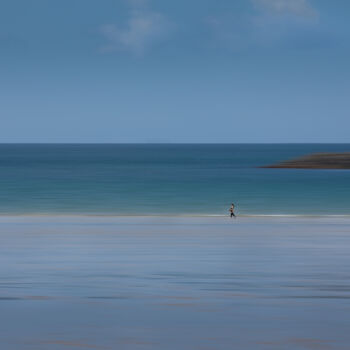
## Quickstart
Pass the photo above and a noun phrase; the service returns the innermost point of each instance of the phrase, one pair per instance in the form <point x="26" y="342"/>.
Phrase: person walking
<point x="232" y="210"/>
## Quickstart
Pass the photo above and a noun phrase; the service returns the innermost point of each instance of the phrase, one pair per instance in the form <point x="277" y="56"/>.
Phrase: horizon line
<point x="175" y="143"/>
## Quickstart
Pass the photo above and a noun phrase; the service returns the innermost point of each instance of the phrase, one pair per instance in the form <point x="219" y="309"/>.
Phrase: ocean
<point x="77" y="271"/>
<point x="167" y="179"/>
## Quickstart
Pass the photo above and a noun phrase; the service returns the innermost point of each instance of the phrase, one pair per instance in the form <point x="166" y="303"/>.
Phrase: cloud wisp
<point x="272" y="24"/>
<point x="142" y="30"/>
<point x="295" y="7"/>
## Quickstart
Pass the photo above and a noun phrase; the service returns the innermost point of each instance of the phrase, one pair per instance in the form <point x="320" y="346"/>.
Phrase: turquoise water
<point x="148" y="179"/>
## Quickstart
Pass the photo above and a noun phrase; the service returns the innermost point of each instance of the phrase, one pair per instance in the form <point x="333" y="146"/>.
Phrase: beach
<point x="100" y="282"/>
<point x="175" y="175"/>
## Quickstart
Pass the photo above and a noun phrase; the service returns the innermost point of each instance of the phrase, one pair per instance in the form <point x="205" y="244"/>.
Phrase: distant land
<point x="316" y="161"/>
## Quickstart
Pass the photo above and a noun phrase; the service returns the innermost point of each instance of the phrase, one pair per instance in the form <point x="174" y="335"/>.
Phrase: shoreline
<point x="241" y="222"/>
<point x="180" y="216"/>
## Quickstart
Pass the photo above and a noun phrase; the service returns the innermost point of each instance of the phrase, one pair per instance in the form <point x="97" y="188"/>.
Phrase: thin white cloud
<point x="295" y="7"/>
<point x="142" y="30"/>
<point x="277" y="24"/>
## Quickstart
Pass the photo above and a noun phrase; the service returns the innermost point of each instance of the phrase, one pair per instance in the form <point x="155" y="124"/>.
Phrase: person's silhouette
<point x="232" y="210"/>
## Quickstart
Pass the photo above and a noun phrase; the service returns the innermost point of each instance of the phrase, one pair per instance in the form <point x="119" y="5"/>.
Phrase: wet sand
<point x="174" y="283"/>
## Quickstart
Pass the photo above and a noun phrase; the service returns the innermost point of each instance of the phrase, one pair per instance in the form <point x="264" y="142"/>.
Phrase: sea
<point x="167" y="180"/>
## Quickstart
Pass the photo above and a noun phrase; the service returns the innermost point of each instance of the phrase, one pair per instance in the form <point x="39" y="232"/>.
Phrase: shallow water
<point x="174" y="283"/>
<point x="168" y="179"/>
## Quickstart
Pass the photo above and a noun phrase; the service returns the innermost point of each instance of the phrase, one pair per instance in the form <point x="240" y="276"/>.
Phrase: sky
<point x="216" y="71"/>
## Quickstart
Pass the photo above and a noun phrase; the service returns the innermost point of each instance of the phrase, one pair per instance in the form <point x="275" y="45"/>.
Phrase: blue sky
<point x="174" y="71"/>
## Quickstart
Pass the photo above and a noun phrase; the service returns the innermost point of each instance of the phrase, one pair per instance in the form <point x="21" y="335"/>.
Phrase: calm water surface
<point x="167" y="179"/>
